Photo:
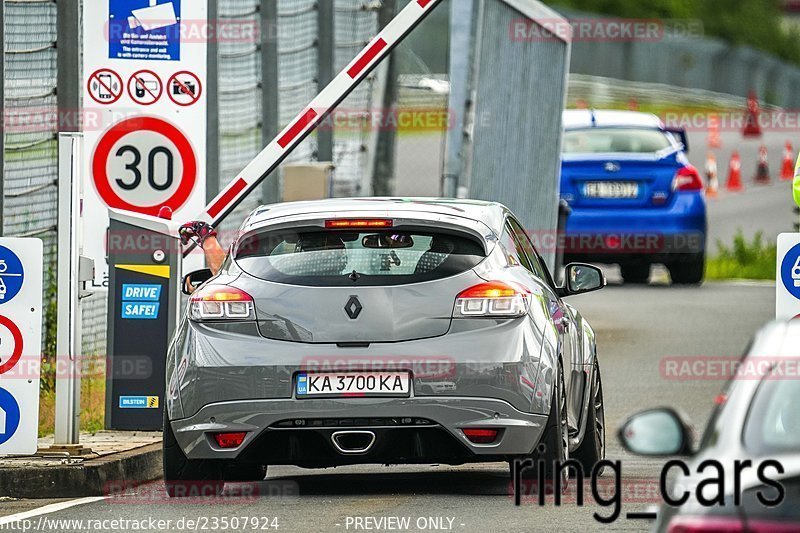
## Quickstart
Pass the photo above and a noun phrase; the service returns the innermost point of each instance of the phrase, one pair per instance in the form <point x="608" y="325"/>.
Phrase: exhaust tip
<point x="353" y="442"/>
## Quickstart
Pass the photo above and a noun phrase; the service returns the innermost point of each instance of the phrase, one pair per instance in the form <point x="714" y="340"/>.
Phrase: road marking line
<point x="47" y="509"/>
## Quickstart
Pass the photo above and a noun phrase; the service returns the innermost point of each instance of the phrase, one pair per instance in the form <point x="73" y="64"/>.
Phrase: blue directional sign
<point x="790" y="271"/>
<point x="9" y="415"/>
<point x="11" y="275"/>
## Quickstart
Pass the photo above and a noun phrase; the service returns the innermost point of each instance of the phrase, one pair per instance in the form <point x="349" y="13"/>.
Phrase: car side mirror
<point x="659" y="432"/>
<point x="192" y="280"/>
<point x="580" y="278"/>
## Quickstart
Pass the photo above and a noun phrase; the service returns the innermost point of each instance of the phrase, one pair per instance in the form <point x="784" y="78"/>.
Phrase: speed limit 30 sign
<point x="144" y="163"/>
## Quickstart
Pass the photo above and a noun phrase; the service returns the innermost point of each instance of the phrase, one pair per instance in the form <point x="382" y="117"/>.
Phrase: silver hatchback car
<point x="384" y="331"/>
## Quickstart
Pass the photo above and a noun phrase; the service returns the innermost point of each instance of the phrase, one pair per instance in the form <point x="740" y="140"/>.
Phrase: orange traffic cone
<point x="714" y="140"/>
<point x="752" y="127"/>
<point x="735" y="173"/>
<point x="712" y="182"/>
<point x="787" y="168"/>
<point x="762" y="169"/>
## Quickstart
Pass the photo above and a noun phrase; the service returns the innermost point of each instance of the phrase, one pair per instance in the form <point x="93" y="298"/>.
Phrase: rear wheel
<point x="184" y="477"/>
<point x="688" y="271"/>
<point x="593" y="447"/>
<point x="553" y="447"/>
<point x="635" y="272"/>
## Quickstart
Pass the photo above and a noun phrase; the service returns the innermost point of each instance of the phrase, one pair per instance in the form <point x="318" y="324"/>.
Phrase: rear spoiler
<point x="680" y="133"/>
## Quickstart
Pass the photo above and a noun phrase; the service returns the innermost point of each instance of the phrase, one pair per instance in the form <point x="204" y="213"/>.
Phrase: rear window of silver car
<point x="615" y="140"/>
<point x="346" y="258"/>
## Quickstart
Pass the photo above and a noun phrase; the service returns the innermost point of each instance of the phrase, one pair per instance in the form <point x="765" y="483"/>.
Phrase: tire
<point x="593" y="446"/>
<point x="245" y="472"/>
<point x="688" y="272"/>
<point x="637" y="273"/>
<point x="554" y="443"/>
<point x="184" y="477"/>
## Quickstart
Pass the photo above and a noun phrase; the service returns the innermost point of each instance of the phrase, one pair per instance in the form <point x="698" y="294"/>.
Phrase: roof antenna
<point x="594" y="118"/>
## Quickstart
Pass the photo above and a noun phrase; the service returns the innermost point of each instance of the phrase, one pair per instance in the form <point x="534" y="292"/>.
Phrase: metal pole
<point x="3" y="107"/>
<point x="68" y="338"/>
<point x="68" y="93"/>
<point x="212" y="109"/>
<point x="326" y="56"/>
<point x="270" y="111"/>
<point x="461" y="45"/>
<point x="383" y="173"/>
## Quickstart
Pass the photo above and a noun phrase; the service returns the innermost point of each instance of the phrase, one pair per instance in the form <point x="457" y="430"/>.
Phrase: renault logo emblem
<point x="353" y="307"/>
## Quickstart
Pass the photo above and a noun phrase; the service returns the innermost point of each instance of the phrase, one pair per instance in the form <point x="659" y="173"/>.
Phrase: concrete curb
<point x="89" y="478"/>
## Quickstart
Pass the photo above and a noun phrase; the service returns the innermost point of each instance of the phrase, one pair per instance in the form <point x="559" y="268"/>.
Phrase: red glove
<point x="197" y="231"/>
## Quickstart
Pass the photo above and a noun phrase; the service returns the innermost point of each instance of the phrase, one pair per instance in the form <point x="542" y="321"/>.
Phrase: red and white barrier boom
<point x="316" y="111"/>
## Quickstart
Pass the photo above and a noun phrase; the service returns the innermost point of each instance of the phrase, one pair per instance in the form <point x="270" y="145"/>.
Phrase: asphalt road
<point x="637" y="327"/>
<point x="759" y="208"/>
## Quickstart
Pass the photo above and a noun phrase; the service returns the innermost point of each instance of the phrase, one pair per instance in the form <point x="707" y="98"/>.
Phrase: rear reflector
<point x="230" y="440"/>
<point x="480" y="435"/>
<point x="340" y="223"/>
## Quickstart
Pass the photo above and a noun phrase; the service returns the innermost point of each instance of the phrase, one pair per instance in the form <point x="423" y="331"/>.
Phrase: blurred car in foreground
<point x="756" y="420"/>
<point x="635" y="198"/>
<point x="314" y="344"/>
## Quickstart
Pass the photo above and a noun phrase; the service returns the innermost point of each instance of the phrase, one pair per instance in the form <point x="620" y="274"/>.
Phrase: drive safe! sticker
<point x="140" y="301"/>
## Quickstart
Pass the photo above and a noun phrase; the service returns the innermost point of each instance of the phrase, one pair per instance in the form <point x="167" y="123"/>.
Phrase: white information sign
<point x="20" y="344"/>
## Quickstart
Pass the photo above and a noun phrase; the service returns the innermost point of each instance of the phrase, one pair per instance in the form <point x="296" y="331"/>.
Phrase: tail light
<point x="491" y="299"/>
<point x="480" y="435"/>
<point x="687" y="179"/>
<point x="230" y="440"/>
<point x="221" y="302"/>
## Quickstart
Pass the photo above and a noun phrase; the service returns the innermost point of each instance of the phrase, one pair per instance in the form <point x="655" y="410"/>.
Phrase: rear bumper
<point x="613" y="234"/>
<point x="273" y="436"/>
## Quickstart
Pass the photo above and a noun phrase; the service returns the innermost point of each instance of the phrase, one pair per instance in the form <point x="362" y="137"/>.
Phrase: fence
<point x="680" y="56"/>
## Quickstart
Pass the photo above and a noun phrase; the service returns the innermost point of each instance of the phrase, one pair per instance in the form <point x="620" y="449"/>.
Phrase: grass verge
<point x="744" y="259"/>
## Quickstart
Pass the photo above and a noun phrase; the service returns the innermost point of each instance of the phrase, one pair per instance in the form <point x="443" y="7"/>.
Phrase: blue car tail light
<point x="687" y="179"/>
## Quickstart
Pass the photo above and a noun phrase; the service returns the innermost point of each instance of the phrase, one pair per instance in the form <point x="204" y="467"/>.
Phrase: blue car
<point x="635" y="199"/>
